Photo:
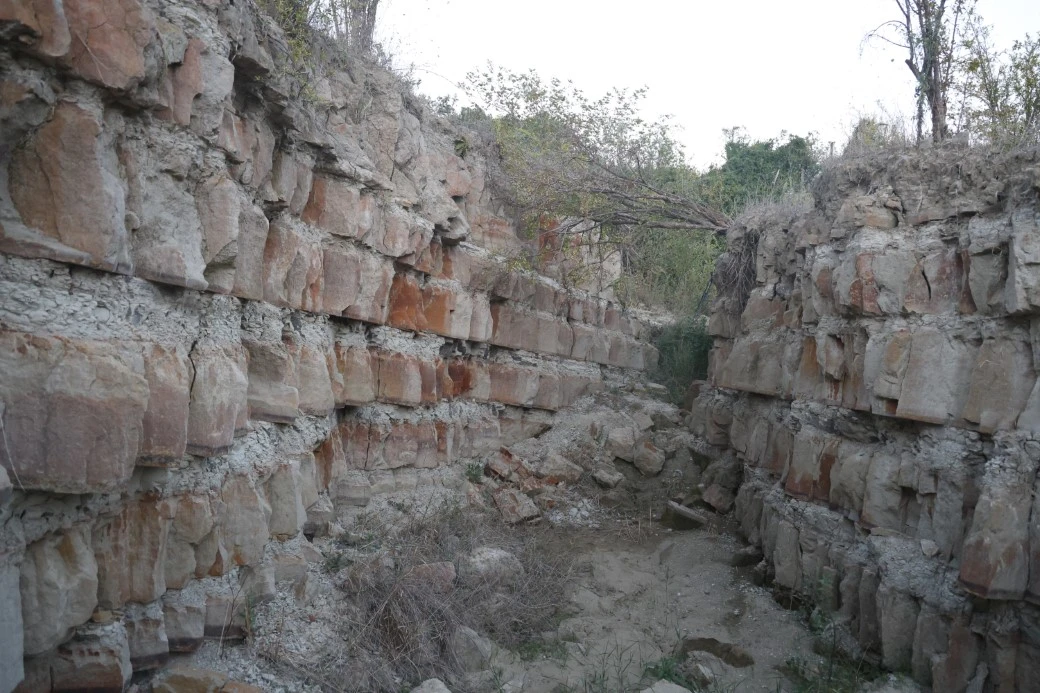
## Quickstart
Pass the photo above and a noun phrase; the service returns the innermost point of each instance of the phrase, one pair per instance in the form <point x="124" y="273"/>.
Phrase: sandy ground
<point x="634" y="601"/>
<point x="635" y="595"/>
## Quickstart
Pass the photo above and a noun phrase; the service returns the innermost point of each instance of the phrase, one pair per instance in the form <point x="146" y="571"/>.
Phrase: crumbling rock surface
<point x="231" y="311"/>
<point x="880" y="386"/>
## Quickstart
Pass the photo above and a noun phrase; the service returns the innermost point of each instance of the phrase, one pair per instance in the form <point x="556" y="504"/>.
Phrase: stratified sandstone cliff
<point x="880" y="386"/>
<point x="233" y="305"/>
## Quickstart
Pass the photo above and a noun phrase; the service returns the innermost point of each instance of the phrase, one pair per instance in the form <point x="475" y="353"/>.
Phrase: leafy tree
<point x="351" y="22"/>
<point x="1002" y="89"/>
<point x="930" y="32"/>
<point x="759" y="170"/>
<point x="570" y="155"/>
<point x="569" y="158"/>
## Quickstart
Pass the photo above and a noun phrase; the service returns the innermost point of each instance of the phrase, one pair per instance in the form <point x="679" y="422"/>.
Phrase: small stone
<point x="491" y="565"/>
<point x="471" y="650"/>
<point x="719" y="498"/>
<point x="680" y="517"/>
<point x="555" y="468"/>
<point x="607" y="476"/>
<point x="644" y="421"/>
<point x="733" y="655"/>
<point x="515" y="506"/>
<point x="502" y="464"/>
<point x="648" y="459"/>
<point x="929" y="548"/>
<point x="621" y="442"/>
<point x="102" y="616"/>
<point x="431" y="686"/>
<point x="892" y="683"/>
<point x="760" y="573"/>
<point x="701" y="675"/>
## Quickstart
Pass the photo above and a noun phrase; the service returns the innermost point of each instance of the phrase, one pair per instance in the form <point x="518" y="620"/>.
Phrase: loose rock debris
<point x="538" y="577"/>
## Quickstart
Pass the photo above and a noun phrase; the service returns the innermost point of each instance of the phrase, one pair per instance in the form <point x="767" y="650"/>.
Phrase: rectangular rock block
<point x="935" y="382"/>
<point x="184" y="618"/>
<point x="314" y="367"/>
<point x="293" y="273"/>
<point x="897" y="620"/>
<point x="996" y="554"/>
<point x="341" y="278"/>
<point x="376" y="276"/>
<point x="330" y="458"/>
<point x="400" y="379"/>
<point x="58" y="588"/>
<point x="244" y="523"/>
<point x="849" y="477"/>
<point x="340" y="208"/>
<point x="253" y="227"/>
<point x="218" y="397"/>
<point x="1022" y="291"/>
<point x="470" y="379"/>
<point x="807" y="476"/>
<point x="68" y="201"/>
<point x="481" y="323"/>
<point x="169" y="373"/>
<point x="354" y="377"/>
<point x="146" y="636"/>
<point x="549" y="394"/>
<point x="72" y="412"/>
<point x="285" y="497"/>
<point x="448" y="311"/>
<point x="130" y="550"/>
<point x="96" y="659"/>
<point x="753" y="366"/>
<point x="553" y="336"/>
<point x="356" y="441"/>
<point x="273" y="394"/>
<point x="1001" y="382"/>
<point x="512" y="385"/>
<point x="407" y="309"/>
<point x="192" y="523"/>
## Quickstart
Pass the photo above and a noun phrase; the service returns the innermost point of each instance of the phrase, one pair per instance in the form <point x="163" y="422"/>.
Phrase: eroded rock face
<point x="59" y="577"/>
<point x="91" y="384"/>
<point x="878" y="386"/>
<point x="66" y="190"/>
<point x="229" y="322"/>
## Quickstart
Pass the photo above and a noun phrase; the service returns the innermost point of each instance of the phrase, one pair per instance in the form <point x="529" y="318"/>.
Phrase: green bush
<point x="684" y="347"/>
<point x="669" y="268"/>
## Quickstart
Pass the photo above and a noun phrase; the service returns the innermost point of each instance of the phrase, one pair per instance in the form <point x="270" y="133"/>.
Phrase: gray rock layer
<point x="880" y="384"/>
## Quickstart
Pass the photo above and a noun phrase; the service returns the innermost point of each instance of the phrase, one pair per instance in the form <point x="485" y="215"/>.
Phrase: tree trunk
<point x="940" y="131"/>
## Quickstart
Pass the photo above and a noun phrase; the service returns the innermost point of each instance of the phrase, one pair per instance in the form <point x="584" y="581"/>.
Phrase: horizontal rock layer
<point x="880" y="384"/>
<point x="233" y="308"/>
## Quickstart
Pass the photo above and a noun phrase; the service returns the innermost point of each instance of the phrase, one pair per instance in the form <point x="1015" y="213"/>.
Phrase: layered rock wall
<point x="879" y="381"/>
<point x="234" y="304"/>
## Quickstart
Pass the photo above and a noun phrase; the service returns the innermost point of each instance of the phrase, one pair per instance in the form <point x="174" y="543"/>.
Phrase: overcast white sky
<point x="767" y="65"/>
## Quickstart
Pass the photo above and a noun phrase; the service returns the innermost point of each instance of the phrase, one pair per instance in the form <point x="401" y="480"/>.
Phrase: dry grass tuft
<point x="409" y="592"/>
